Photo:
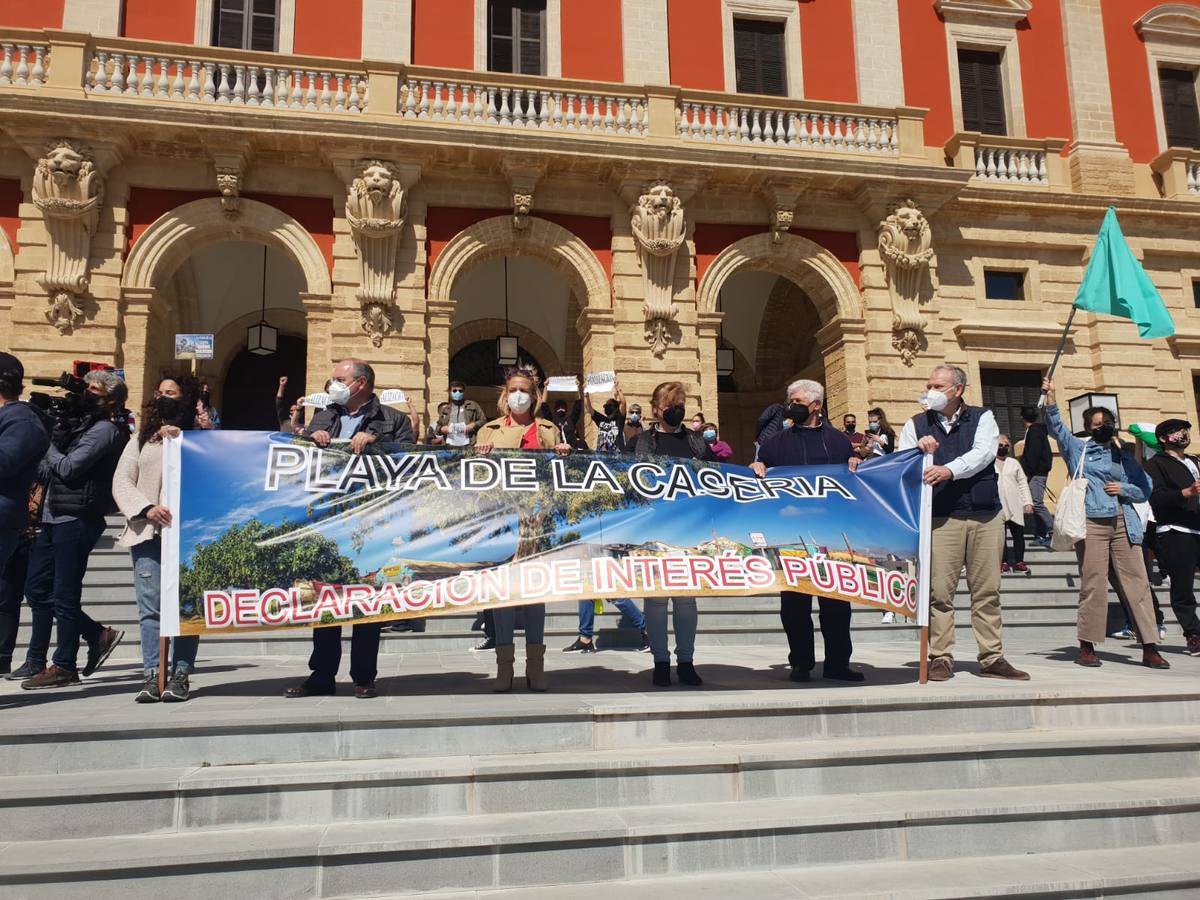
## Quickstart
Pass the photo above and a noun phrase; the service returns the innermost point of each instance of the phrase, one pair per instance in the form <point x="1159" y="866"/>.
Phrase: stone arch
<point x="175" y="235"/>
<point x="809" y="265"/>
<point x="558" y="248"/>
<point x="8" y="266"/>
<point x="484" y="329"/>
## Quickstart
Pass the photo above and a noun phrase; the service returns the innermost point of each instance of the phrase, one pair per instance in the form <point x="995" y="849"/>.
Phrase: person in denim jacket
<point x="1115" y="482"/>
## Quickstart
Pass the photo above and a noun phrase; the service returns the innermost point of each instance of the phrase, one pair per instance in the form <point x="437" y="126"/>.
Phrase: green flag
<point x="1116" y="284"/>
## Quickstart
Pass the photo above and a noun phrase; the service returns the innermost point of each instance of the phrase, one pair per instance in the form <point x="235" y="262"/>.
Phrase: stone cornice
<point x="1184" y="343"/>
<point x="988" y="12"/>
<point x="1009" y="335"/>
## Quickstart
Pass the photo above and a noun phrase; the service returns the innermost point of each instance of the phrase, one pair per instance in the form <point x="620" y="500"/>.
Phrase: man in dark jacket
<point x="78" y="471"/>
<point x="1036" y="460"/>
<point x="458" y="419"/>
<point x="23" y="442"/>
<point x="1176" y="504"/>
<point x="357" y="415"/>
<point x="809" y="440"/>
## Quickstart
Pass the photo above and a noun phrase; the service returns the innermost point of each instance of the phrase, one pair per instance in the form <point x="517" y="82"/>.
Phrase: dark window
<point x="245" y="24"/>
<point x="475" y="365"/>
<point x="517" y="36"/>
<point x="999" y="285"/>
<point x="1196" y="294"/>
<point x="759" y="58"/>
<point x="982" y="88"/>
<point x="1005" y="391"/>
<point x="1180" y="116"/>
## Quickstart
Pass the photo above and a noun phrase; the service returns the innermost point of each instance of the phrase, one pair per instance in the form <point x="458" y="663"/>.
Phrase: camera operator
<point x="23" y="443"/>
<point x="78" y="471"/>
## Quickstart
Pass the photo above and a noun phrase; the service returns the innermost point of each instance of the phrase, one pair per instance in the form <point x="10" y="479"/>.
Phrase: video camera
<point x="65" y="406"/>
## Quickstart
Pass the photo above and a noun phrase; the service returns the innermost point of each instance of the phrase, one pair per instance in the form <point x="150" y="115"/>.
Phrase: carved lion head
<point x="64" y="162"/>
<point x="375" y="180"/>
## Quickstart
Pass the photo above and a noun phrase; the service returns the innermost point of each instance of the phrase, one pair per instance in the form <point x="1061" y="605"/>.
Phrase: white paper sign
<point x="392" y="397"/>
<point x="316" y="401"/>
<point x="758" y="539"/>
<point x="600" y="383"/>
<point x="458" y="435"/>
<point x="562" y="383"/>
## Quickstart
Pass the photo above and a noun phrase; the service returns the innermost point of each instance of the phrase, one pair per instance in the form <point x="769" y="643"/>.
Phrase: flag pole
<point x="1062" y="343"/>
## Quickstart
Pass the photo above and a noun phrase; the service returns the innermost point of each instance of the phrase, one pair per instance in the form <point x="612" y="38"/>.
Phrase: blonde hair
<point x="537" y="393"/>
<point x="664" y="392"/>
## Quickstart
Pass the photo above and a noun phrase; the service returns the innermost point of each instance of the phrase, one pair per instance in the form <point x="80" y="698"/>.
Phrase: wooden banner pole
<point x="164" y="660"/>
<point x="924" y="654"/>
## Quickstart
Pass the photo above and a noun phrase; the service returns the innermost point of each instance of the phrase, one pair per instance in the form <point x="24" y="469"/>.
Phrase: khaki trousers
<point x="976" y="541"/>
<point x="1107" y="539"/>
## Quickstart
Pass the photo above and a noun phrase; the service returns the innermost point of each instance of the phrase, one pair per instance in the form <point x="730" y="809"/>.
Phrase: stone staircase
<point x="1080" y="783"/>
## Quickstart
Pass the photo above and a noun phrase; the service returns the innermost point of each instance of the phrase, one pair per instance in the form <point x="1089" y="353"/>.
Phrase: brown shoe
<point x="365" y="691"/>
<point x="1152" y="660"/>
<point x="941" y="669"/>
<point x="1087" y="655"/>
<point x="1002" y="668"/>
<point x="99" y="651"/>
<point x="50" y="677"/>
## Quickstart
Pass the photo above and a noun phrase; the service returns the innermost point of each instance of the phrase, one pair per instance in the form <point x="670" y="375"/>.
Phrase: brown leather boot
<point x="535" y="667"/>
<point x="505" y="654"/>
<point x="1151" y="658"/>
<point x="1087" y="655"/>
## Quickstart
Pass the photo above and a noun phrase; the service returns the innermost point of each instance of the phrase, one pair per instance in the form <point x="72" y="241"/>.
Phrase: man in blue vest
<point x="968" y="526"/>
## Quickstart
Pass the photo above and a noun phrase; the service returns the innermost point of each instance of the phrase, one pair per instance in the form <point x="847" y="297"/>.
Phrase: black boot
<point x="688" y="675"/>
<point x="662" y="674"/>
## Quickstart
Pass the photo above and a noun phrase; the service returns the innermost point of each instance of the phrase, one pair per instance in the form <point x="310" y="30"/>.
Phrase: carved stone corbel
<point x="522" y="180"/>
<point x="375" y="209"/>
<point x="781" y="204"/>
<point x="658" y="230"/>
<point x="69" y="191"/>
<point x="905" y="244"/>
<point x="229" y="184"/>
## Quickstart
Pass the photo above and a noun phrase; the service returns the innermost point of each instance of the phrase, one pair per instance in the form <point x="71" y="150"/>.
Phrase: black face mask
<point x="851" y="427"/>
<point x="1103" y="434"/>
<point x="673" y="416"/>
<point x="798" y="413"/>
<point x="1002" y="452"/>
<point x="611" y="410"/>
<point x="90" y="402"/>
<point x="172" y="411"/>
<point x="204" y="397"/>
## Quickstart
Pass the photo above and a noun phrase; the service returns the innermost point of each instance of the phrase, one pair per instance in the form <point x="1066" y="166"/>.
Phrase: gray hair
<point x="361" y="369"/>
<point x="114" y="386"/>
<point x="811" y="389"/>
<point x="957" y="376"/>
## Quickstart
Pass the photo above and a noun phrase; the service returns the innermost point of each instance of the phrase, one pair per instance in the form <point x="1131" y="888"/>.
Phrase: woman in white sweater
<point x="1017" y="504"/>
<point x="137" y="489"/>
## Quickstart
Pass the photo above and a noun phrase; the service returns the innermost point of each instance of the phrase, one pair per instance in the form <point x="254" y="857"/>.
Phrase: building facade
<point x="732" y="193"/>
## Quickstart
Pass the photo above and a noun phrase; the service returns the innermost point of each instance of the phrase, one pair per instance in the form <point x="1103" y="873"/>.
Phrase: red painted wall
<point x="1129" y="77"/>
<point x="10" y="209"/>
<point x="926" y="69"/>
<point x="695" y="48"/>
<point x="444" y="33"/>
<point x="442" y="223"/>
<point x="315" y="214"/>
<point x="1044" y="73"/>
<point x="31" y="13"/>
<point x="711" y="239"/>
<point x="329" y="29"/>
<point x="153" y="20"/>
<point x="591" y="40"/>
<point x="827" y="50"/>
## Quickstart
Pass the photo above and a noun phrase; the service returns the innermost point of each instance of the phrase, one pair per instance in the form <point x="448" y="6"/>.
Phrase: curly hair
<point x="189" y="389"/>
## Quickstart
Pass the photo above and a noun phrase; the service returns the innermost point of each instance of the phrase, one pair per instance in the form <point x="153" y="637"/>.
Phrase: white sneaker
<point x="889" y="618"/>
<point x="1162" y="632"/>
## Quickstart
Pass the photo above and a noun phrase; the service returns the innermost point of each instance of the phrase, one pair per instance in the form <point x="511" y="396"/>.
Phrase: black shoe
<point x="486" y="645"/>
<point x="149" y="692"/>
<point x="662" y="674"/>
<point x="178" y="688"/>
<point x="477" y="625"/>
<point x="581" y="646"/>
<point x="645" y="648"/>
<point x="99" y="650"/>
<point x="842" y="675"/>
<point x="5" y="666"/>
<point x="414" y="625"/>
<point x="799" y="674"/>
<point x="688" y="675"/>
<point x="365" y="691"/>
<point x="308" y="689"/>
<point x="24" y="671"/>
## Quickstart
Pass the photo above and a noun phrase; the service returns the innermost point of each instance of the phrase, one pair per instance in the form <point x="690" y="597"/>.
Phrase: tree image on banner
<point x="242" y="558"/>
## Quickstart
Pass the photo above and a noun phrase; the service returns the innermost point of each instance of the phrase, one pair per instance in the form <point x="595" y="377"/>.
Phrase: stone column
<point x="387" y="30"/>
<point x="708" y="331"/>
<point x="134" y="324"/>
<point x="101" y="18"/>
<point x="318" y="312"/>
<point x="439" y="316"/>
<point x="1098" y="163"/>
<point x="877" y="52"/>
<point x="843" y="344"/>
<point x="644" y="40"/>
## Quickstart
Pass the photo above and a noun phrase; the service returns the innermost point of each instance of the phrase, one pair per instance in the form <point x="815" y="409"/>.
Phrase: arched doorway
<point x="248" y="389"/>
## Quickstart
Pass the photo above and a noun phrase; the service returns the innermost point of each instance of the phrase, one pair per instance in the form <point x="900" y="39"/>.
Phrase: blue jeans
<point x="587" y="615"/>
<point x="535" y="624"/>
<point x="684" y="614"/>
<point x="147" y="570"/>
<point x="54" y="588"/>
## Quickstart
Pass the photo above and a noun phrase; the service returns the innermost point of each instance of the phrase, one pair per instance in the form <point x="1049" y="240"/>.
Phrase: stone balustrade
<point x="24" y="65"/>
<point x="737" y="122"/>
<point x="1178" y="173"/>
<point x="997" y="159"/>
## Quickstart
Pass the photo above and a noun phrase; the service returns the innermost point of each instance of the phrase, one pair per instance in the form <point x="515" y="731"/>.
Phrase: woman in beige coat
<point x="1016" y="503"/>
<point x="137" y="490"/>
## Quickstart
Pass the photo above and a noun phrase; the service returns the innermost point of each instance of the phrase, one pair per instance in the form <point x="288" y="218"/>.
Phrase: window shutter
<point x="982" y="88"/>
<point x="1180" y="115"/>
<point x="229" y="18"/>
<point x="760" y="59"/>
<point x="245" y="24"/>
<point x="517" y="36"/>
<point x="1005" y="391"/>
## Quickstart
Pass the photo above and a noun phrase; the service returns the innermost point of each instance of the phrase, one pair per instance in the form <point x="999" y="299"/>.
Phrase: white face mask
<point x="934" y="400"/>
<point x="519" y="401"/>
<point x="339" y="393"/>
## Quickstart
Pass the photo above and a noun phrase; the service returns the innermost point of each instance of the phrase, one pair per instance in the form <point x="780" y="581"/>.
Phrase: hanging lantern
<point x="262" y="339"/>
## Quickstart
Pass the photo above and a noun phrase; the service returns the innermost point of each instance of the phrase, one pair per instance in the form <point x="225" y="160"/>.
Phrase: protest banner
<point x="271" y="531"/>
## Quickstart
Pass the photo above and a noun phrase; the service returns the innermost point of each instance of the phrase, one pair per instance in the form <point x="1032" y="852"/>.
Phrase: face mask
<point x="710" y="437"/>
<point x="798" y="413"/>
<point x="519" y="401"/>
<point x="1180" y="443"/>
<point x="673" y="416"/>
<point x="456" y="396"/>
<point x="204" y="397"/>
<point x="91" y="402"/>
<point x="170" y="410"/>
<point x="1103" y="434"/>
<point x="934" y="400"/>
<point x="1002" y="452"/>
<point x="635" y="418"/>
<point x="560" y="414"/>
<point x="611" y="410"/>
<point x="339" y="393"/>
<point x="874" y="426"/>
